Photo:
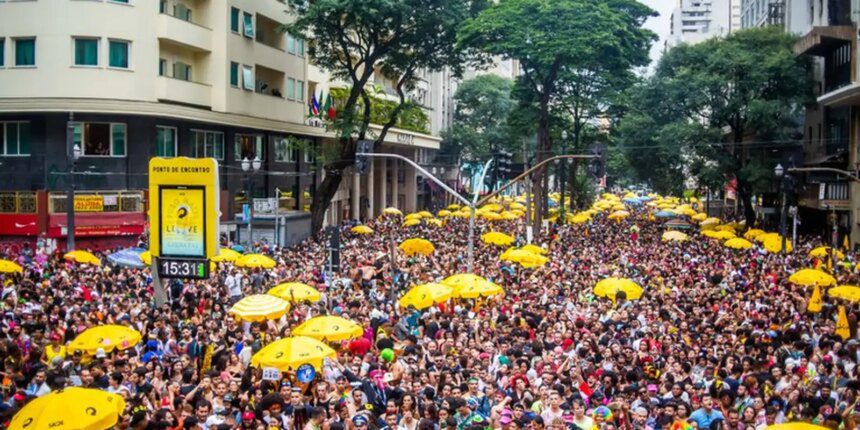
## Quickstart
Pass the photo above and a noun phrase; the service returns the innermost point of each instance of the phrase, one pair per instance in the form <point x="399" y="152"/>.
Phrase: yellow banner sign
<point x="183" y="211"/>
<point x="89" y="203"/>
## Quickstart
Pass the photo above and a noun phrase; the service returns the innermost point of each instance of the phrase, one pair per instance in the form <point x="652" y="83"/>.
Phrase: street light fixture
<point x="250" y="168"/>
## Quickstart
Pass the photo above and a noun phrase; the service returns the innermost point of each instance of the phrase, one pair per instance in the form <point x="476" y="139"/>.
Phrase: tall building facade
<point x="694" y="21"/>
<point x="759" y="13"/>
<point x="125" y="80"/>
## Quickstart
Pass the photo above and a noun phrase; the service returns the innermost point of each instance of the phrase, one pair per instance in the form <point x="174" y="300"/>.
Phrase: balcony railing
<point x="826" y="194"/>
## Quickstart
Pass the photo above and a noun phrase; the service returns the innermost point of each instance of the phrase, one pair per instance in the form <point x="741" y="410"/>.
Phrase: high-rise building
<point x="696" y="20"/>
<point x="125" y="80"/>
<point x="759" y="13"/>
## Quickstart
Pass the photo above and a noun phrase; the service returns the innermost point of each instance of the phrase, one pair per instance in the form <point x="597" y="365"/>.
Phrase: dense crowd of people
<point x="719" y="340"/>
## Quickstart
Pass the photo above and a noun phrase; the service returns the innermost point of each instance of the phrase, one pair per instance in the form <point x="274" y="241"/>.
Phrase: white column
<point x="395" y="183"/>
<point x="371" y="213"/>
<point x="411" y="189"/>
<point x="356" y="196"/>
<point x="383" y="183"/>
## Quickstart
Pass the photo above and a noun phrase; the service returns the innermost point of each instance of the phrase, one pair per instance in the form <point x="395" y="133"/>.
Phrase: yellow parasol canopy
<point x="224" y="254"/>
<point x="710" y="221"/>
<point x="479" y="289"/>
<point x="701" y="216"/>
<point x="721" y="235"/>
<point x="824" y="252"/>
<point x="70" y="408"/>
<point x="675" y="236"/>
<point x="774" y="244"/>
<point x="491" y="216"/>
<point x="416" y="245"/>
<point x="609" y="287"/>
<point x="425" y="295"/>
<point x="753" y="233"/>
<point x="810" y="277"/>
<point x="7" y="266"/>
<point x="361" y="229"/>
<point x="252" y="261"/>
<point x="434" y="221"/>
<point x="392" y="211"/>
<point x="738" y="243"/>
<point x="524" y="258"/>
<point x="329" y="329"/>
<point x="763" y="237"/>
<point x="295" y="292"/>
<point x="82" y="257"/>
<point x="106" y="337"/>
<point x="412" y="216"/>
<point x="453" y="207"/>
<point x="534" y="249"/>
<point x="462" y="279"/>
<point x="796" y="426"/>
<point x="425" y="214"/>
<point x="443" y="213"/>
<point x="725" y="227"/>
<point x="491" y="207"/>
<point x="259" y="307"/>
<point x="411" y="222"/>
<point x="292" y="352"/>
<point x="619" y="215"/>
<point x="845" y="292"/>
<point x="497" y="238"/>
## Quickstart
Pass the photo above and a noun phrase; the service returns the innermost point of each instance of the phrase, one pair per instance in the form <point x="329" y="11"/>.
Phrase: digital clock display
<point x="187" y="268"/>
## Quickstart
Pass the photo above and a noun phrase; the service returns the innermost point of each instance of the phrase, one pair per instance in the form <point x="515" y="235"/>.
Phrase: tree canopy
<point x="480" y="124"/>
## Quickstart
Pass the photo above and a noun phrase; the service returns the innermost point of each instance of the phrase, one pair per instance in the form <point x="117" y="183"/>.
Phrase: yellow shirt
<point x="50" y="353"/>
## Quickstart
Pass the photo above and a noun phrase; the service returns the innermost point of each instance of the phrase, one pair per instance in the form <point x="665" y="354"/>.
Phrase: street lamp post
<point x="779" y="171"/>
<point x="74" y="153"/>
<point x="563" y="175"/>
<point x="250" y="168"/>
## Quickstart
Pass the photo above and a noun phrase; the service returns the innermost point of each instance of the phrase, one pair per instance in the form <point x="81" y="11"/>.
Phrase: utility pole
<point x="73" y="153"/>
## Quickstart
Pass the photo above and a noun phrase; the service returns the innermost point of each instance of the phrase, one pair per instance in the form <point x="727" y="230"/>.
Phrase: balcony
<point x="268" y="33"/>
<point x="824" y="195"/>
<point x="183" y="92"/>
<point x="184" y="33"/>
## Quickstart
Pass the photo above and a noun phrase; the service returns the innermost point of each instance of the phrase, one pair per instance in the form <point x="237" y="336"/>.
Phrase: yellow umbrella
<point x="619" y="215"/>
<point x="7" y="266"/>
<point x="443" y="213"/>
<point x="753" y="233"/>
<point x="425" y="214"/>
<point x="392" y="211"/>
<point x="411" y="222"/>
<point x="259" y="307"/>
<point x="292" y="352"/>
<point x="738" y="243"/>
<point x="478" y="289"/>
<point x="425" y="295"/>
<point x="295" y="292"/>
<point x="252" y="261"/>
<point x="824" y="252"/>
<point x="534" y="249"/>
<point x="710" y="221"/>
<point x="453" y="207"/>
<point x="491" y="216"/>
<point x="462" y="280"/>
<point x="524" y="258"/>
<point x="762" y="238"/>
<point x="580" y="219"/>
<point x="492" y="207"/>
<point x="845" y="292"/>
<point x="774" y="244"/>
<point x="725" y="227"/>
<point x="721" y="235"/>
<point x="517" y="206"/>
<point x="82" y="257"/>
<point x="510" y="215"/>
<point x="435" y="221"/>
<point x="70" y="408"/>
<point x="810" y="277"/>
<point x="416" y="245"/>
<point x="106" y="337"/>
<point x="361" y="229"/>
<point x="497" y="238"/>
<point x="609" y="287"/>
<point x="225" y="254"/>
<point x="329" y="329"/>
<point x="145" y="257"/>
<point x="795" y="426"/>
<point x="701" y="216"/>
<point x="675" y="236"/>
<point x="413" y="216"/>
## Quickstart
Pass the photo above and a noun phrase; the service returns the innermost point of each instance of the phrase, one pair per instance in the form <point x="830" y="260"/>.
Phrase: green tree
<point x="480" y="119"/>
<point x="555" y="41"/>
<point x="352" y="40"/>
<point x="705" y="102"/>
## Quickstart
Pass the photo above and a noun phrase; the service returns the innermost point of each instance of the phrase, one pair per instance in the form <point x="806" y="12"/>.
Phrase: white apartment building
<point x="694" y="21"/>
<point x="141" y="78"/>
<point x="758" y="13"/>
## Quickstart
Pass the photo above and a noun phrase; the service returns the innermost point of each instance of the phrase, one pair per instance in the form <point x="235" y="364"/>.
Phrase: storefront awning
<point x="821" y="40"/>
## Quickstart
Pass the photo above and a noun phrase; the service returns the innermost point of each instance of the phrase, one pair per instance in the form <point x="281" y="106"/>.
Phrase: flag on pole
<point x="315" y="105"/>
<point x="814" y="305"/>
<point x="845" y="244"/>
<point x="329" y="107"/>
<point x="842" y="324"/>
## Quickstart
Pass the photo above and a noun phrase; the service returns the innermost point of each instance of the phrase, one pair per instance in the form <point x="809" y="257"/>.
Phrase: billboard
<point x="183" y="210"/>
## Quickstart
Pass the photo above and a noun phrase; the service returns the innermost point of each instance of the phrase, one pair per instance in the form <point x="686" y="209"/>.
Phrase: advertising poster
<point x="182" y="221"/>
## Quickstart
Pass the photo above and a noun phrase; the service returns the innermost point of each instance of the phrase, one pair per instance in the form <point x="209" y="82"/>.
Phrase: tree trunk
<point x="743" y="193"/>
<point x="544" y="146"/>
<point x="575" y="205"/>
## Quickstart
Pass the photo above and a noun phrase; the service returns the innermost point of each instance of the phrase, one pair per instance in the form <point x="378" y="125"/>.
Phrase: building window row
<point x="243" y="19"/>
<point x="23" y="51"/>
<point x="101" y="139"/>
<point x="15" y="138"/>
<point x="86" y="52"/>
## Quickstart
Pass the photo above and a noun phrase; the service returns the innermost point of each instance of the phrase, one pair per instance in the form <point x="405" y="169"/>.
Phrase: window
<point x="234" y="19"/>
<point x="182" y="12"/>
<point x="101" y="139"/>
<point x="181" y="71"/>
<point x="15" y="138"/>
<point x="2" y="52"/>
<point x="249" y="25"/>
<point x="162" y="6"/>
<point x="118" y="53"/>
<point x="25" y="52"/>
<point x="309" y="154"/>
<point x="300" y="47"/>
<point x="291" y="44"/>
<point x="285" y="151"/>
<point x="86" y="51"/>
<point x="162" y="67"/>
<point x="248" y="146"/>
<point x="291" y="89"/>
<point x="165" y="141"/>
<point x="208" y="144"/>
<point x="234" y="74"/>
<point x="248" y="78"/>
<point x="300" y="90"/>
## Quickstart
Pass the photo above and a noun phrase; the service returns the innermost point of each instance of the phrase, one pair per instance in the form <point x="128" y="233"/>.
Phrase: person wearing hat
<point x="249" y="420"/>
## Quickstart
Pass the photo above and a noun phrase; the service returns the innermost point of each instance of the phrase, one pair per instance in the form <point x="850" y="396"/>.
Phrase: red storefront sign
<point x="99" y="224"/>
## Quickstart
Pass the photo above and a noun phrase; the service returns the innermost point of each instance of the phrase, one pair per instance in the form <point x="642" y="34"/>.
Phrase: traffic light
<point x="362" y="162"/>
<point x="503" y="161"/>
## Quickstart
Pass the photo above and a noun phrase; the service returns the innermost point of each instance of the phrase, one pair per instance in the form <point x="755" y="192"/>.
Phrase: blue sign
<point x="306" y="373"/>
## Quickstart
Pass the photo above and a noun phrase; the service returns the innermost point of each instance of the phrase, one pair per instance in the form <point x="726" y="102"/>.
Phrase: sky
<point x="660" y="24"/>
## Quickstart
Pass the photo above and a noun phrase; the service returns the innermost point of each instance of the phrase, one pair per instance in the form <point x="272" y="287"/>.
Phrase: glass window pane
<point x="11" y="138"/>
<point x="219" y="146"/>
<point x="78" y="135"/>
<point x="118" y="139"/>
<point x="23" y="138"/>
<point x="300" y="90"/>
<point x="2" y="52"/>
<point x="118" y="54"/>
<point x="234" y="19"/>
<point x="96" y="139"/>
<point x="258" y="152"/>
<point x="210" y="145"/>
<point x="300" y="47"/>
<point x="199" y="149"/>
<point x="291" y="44"/>
<point x="86" y="52"/>
<point x="249" y="25"/>
<point x="25" y="52"/>
<point x="166" y="142"/>
<point x="248" y="78"/>
<point x="234" y="74"/>
<point x="291" y="88"/>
